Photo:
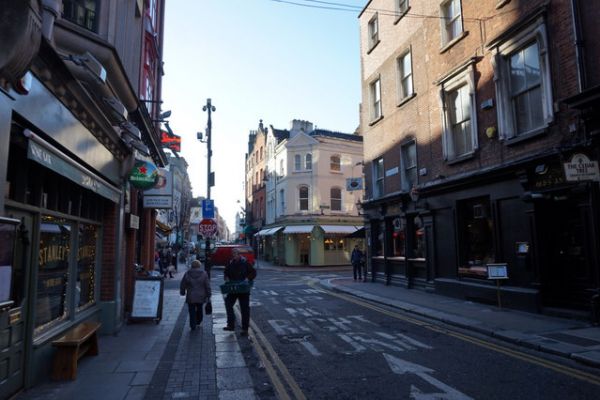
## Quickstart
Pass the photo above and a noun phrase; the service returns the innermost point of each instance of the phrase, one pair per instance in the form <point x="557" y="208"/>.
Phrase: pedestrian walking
<point x="238" y="269"/>
<point x="195" y="286"/>
<point x="357" y="262"/>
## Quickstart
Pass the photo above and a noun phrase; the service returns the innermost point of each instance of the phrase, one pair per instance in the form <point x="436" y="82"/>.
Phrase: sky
<point x="255" y="59"/>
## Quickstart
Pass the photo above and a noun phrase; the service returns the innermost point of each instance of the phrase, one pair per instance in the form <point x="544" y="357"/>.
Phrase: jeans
<point x="196" y="314"/>
<point x="357" y="267"/>
<point x="244" y="308"/>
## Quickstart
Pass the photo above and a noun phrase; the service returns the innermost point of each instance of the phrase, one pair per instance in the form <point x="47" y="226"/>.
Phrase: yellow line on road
<point x="572" y="372"/>
<point x="261" y="341"/>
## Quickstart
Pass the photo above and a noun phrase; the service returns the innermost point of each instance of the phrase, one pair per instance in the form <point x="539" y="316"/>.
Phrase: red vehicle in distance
<point x="222" y="253"/>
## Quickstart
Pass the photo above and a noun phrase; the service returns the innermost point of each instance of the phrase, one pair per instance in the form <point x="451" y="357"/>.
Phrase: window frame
<point x="332" y="198"/>
<point x="373" y="31"/>
<point x="375" y="102"/>
<point x="404" y="167"/>
<point x="297" y="162"/>
<point x="378" y="180"/>
<point x="333" y="164"/>
<point x="308" y="162"/>
<point x="507" y="125"/>
<point x="447" y="22"/>
<point x="402" y="77"/>
<point x="402" y="7"/>
<point x="464" y="77"/>
<point x="301" y="199"/>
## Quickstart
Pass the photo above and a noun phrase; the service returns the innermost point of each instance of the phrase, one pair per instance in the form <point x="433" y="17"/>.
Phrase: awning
<point x="50" y="157"/>
<point x="341" y="229"/>
<point x="360" y="233"/>
<point x="298" y="229"/>
<point x="269" y="231"/>
<point x="250" y="230"/>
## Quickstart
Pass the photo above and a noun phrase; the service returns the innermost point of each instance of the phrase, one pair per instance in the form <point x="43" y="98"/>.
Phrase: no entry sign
<point x="208" y="227"/>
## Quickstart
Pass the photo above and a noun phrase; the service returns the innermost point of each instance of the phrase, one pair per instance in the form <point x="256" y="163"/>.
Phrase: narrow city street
<point x="320" y="344"/>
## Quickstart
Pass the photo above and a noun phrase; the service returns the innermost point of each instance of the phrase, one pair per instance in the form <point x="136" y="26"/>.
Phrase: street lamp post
<point x="209" y="175"/>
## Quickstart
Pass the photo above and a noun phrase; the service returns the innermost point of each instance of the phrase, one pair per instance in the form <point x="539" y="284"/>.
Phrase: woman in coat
<point x="196" y="287"/>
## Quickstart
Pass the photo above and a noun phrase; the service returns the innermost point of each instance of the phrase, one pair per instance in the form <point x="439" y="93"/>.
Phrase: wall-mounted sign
<point x="143" y="175"/>
<point x="134" y="221"/>
<point x="391" y="171"/>
<point x="581" y="168"/>
<point x="158" y="202"/>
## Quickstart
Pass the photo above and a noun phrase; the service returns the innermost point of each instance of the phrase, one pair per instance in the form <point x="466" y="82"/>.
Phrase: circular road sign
<point x="208" y="227"/>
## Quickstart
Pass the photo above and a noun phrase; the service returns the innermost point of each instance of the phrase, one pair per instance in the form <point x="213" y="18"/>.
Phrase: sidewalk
<point x="161" y="361"/>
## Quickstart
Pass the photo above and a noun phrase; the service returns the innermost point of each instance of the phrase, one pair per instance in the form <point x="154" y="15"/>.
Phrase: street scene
<point x="268" y="199"/>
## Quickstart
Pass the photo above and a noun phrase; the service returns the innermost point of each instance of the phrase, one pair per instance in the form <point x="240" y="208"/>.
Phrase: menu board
<point x="147" y="298"/>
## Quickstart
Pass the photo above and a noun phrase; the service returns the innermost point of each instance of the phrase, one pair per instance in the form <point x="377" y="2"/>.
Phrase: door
<point x="304" y="249"/>
<point x="13" y="320"/>
<point x="565" y="267"/>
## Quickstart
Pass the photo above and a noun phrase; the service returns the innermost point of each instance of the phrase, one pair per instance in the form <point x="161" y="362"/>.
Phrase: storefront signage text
<point x="581" y="168"/>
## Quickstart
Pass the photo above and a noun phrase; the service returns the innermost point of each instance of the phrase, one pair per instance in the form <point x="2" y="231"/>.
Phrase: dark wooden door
<point x="13" y="319"/>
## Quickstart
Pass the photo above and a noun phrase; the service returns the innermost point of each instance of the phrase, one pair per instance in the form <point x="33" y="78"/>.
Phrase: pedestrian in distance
<point x="195" y="286"/>
<point x="357" y="262"/>
<point x="238" y="269"/>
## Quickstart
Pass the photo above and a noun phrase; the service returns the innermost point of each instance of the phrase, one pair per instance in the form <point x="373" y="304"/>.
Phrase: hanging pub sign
<point x="143" y="175"/>
<point x="170" y="141"/>
<point x="581" y="168"/>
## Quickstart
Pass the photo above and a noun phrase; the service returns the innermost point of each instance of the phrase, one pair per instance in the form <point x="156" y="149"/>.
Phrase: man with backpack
<point x="238" y="270"/>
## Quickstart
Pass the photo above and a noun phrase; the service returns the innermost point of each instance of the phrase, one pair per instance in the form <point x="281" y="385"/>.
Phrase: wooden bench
<point x="73" y="345"/>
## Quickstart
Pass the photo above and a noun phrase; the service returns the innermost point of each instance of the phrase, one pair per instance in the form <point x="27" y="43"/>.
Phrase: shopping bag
<point x="238" y="287"/>
<point x="208" y="308"/>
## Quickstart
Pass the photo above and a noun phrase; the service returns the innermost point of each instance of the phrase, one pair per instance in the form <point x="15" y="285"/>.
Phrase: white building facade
<point x="309" y="212"/>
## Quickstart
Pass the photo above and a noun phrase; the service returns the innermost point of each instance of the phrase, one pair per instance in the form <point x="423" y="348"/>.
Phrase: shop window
<point x="86" y="266"/>
<point x="53" y="271"/>
<point x="418" y="232"/>
<point x="336" y="199"/>
<point x="476" y="236"/>
<point x="334" y="244"/>
<point x="398" y="237"/>
<point x="378" y="238"/>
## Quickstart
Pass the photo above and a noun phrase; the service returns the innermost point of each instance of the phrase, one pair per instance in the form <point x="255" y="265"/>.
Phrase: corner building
<point x="481" y="148"/>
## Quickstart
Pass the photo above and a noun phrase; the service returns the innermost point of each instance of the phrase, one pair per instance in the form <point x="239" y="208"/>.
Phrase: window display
<point x="476" y="237"/>
<point x="53" y="273"/>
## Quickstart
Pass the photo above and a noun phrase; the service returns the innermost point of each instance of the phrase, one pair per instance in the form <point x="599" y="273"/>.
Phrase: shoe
<point x="229" y="328"/>
<point x="244" y="333"/>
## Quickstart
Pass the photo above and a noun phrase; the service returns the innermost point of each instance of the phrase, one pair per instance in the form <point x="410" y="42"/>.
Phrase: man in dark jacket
<point x="357" y="261"/>
<point x="238" y="269"/>
<point x="195" y="286"/>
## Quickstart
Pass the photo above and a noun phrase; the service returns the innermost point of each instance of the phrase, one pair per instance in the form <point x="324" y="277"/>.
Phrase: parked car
<point x="222" y="253"/>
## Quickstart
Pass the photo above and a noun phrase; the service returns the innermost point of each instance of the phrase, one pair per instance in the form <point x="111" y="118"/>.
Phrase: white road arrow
<point x="401" y="367"/>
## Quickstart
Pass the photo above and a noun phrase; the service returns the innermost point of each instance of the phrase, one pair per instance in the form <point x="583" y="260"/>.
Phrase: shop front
<point x="62" y="191"/>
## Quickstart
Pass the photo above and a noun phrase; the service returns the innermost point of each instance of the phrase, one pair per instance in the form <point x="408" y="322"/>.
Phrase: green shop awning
<point x="250" y="230"/>
<point x="50" y="157"/>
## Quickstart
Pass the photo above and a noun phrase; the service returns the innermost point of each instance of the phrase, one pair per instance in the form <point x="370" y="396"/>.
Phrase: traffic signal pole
<point x="209" y="177"/>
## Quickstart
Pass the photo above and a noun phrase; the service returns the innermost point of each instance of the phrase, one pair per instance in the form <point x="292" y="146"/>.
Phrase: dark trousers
<point x="196" y="314"/>
<point x="357" y="267"/>
<point x="244" y="308"/>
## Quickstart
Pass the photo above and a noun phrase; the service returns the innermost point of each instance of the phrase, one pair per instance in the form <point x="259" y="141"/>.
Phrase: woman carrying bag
<point x="196" y="287"/>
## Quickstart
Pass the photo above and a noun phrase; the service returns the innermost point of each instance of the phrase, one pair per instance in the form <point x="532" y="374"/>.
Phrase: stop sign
<point x="208" y="227"/>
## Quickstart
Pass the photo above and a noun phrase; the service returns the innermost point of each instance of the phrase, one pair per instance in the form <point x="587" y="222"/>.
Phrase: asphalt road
<point x="309" y="343"/>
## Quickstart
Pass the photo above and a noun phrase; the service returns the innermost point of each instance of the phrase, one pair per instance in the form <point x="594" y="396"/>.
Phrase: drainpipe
<point x="50" y="13"/>
<point x="579" y="47"/>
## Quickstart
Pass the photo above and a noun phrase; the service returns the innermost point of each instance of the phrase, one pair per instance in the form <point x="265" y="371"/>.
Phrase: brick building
<point x="79" y="93"/>
<point x="475" y="153"/>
